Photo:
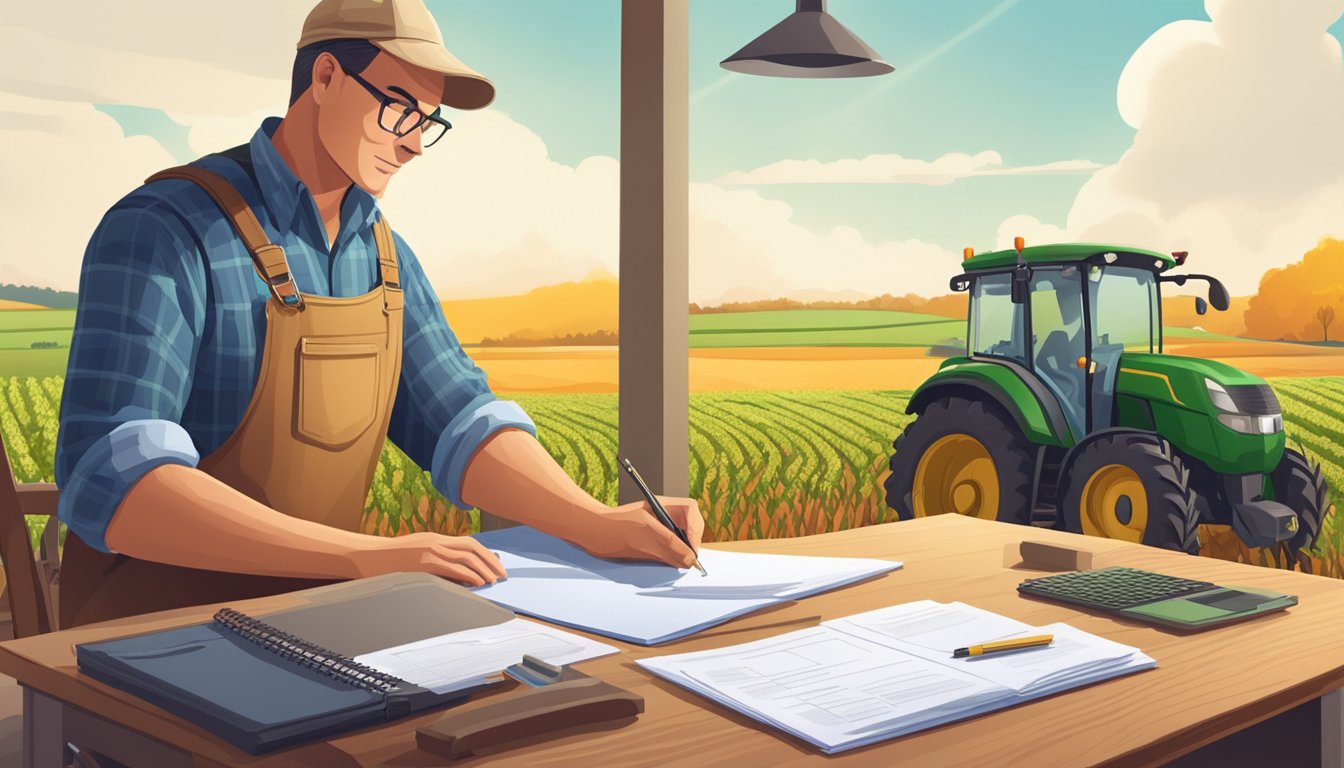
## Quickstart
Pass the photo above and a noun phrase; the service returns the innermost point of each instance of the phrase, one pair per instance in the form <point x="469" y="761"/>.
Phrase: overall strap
<point x="387" y="265"/>
<point x="269" y="259"/>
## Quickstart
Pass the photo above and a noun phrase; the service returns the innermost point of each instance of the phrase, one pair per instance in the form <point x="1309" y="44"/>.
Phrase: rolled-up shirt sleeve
<point x="444" y="408"/>
<point x="137" y="329"/>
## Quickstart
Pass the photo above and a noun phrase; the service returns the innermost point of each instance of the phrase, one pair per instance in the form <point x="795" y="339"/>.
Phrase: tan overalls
<point x="308" y="442"/>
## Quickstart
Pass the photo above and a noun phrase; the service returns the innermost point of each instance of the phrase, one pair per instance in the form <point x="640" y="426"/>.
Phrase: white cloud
<point x="249" y="36"/>
<point x="487" y="211"/>
<point x="896" y="169"/>
<point x="65" y="165"/>
<point x="1237" y="156"/>
<point x="46" y="67"/>
<point x="198" y="58"/>
<point x="212" y="133"/>
<point x="744" y="245"/>
<point x="1030" y="229"/>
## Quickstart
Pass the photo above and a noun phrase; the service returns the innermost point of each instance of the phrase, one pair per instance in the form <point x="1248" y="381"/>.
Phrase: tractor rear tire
<point x="965" y="457"/>
<point x="1300" y="485"/>
<point x="1132" y="486"/>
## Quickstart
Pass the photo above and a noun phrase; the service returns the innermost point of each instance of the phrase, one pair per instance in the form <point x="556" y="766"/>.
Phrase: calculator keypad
<point x="1112" y="588"/>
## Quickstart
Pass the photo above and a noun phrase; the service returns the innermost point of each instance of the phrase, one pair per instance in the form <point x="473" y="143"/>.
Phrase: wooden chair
<point x="32" y="580"/>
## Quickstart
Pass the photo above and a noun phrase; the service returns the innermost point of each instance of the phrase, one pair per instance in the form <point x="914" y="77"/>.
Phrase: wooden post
<point x="654" y="293"/>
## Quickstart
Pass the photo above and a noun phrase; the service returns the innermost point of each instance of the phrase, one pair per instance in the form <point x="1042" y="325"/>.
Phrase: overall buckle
<point x="274" y="269"/>
<point x="286" y="292"/>
<point x="392" y="298"/>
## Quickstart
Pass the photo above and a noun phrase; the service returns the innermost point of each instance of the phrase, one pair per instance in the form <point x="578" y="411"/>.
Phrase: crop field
<point x="822" y="327"/>
<point x="763" y="464"/>
<point x="845" y="328"/>
<point x="36" y="319"/>
<point x="18" y="330"/>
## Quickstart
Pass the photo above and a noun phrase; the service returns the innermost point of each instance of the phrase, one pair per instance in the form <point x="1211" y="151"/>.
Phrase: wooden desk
<point x="1206" y="686"/>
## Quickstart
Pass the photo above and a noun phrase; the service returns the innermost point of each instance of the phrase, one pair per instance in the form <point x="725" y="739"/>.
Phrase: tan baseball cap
<point x="407" y="30"/>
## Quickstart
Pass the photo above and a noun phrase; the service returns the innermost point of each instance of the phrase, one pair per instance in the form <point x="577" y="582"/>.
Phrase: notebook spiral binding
<point x="307" y="654"/>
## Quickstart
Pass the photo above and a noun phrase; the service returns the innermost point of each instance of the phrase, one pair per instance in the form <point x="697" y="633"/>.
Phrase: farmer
<point x="233" y="375"/>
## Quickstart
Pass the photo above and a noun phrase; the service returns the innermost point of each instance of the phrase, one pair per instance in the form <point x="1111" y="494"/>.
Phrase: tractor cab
<point x="1068" y="314"/>
<point x="1065" y="411"/>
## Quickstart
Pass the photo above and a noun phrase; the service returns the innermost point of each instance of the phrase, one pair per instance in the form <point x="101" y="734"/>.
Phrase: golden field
<point x="596" y="369"/>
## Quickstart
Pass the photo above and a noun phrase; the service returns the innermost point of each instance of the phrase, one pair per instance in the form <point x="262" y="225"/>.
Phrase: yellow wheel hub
<point x="1114" y="504"/>
<point x="957" y="475"/>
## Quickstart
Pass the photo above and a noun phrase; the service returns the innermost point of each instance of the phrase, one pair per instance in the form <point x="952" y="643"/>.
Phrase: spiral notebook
<point x="272" y="681"/>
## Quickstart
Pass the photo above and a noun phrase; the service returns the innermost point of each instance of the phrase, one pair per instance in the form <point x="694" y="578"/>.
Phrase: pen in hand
<point x="661" y="513"/>
<point x="1014" y="644"/>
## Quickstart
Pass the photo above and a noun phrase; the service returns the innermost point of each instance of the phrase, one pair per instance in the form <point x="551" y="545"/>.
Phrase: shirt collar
<point x="281" y="190"/>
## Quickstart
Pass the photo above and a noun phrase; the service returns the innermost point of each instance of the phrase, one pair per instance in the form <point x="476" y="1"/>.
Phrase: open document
<point x="648" y="603"/>
<point x="872" y="676"/>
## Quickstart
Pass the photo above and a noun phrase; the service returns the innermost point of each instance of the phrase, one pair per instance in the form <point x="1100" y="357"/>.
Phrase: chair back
<point x="31" y="580"/>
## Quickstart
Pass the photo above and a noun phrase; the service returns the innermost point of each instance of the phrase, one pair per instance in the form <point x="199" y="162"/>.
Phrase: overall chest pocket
<point x="338" y="390"/>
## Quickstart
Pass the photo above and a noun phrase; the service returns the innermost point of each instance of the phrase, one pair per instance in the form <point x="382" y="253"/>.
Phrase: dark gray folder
<point x="357" y="617"/>
<point x="283" y="678"/>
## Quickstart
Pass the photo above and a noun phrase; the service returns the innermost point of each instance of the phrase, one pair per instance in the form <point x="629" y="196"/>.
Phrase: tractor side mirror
<point x="1021" y="284"/>
<point x="1201" y="306"/>
<point x="1218" y="296"/>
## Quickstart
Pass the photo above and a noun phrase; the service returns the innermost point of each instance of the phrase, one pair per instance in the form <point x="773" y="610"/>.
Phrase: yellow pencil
<point x="1003" y="645"/>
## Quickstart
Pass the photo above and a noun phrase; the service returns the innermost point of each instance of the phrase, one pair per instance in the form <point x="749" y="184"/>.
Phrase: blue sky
<point x="1033" y="80"/>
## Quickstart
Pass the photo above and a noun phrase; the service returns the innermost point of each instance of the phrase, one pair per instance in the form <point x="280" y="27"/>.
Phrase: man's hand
<point x="460" y="558"/>
<point x="513" y="476"/>
<point x="631" y="531"/>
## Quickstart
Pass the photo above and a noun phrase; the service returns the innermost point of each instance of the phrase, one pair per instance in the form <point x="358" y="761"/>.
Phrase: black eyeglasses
<point x="400" y="117"/>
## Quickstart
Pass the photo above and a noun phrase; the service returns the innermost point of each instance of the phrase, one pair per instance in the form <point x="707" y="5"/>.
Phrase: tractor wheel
<point x="1300" y="485"/>
<point x="962" y="456"/>
<point x="1132" y="487"/>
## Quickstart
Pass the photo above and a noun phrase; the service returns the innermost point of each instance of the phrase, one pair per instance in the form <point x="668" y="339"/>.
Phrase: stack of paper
<point x="646" y="602"/>
<point x="889" y="672"/>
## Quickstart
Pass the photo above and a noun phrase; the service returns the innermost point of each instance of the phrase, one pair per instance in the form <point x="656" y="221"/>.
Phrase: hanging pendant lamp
<point x="808" y="43"/>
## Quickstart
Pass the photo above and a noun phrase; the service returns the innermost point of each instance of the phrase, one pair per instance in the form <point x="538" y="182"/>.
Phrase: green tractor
<point x="1065" y="413"/>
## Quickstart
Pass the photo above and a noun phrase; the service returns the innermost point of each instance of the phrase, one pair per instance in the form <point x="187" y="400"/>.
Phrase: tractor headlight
<point x="1221" y="400"/>
<point x="1252" y="425"/>
<point x="1236" y="418"/>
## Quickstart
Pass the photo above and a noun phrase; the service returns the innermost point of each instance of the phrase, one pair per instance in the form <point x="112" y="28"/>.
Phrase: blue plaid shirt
<point x="170" y="328"/>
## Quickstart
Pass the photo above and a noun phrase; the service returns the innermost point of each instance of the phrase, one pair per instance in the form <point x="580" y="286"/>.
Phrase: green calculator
<point x="1156" y="598"/>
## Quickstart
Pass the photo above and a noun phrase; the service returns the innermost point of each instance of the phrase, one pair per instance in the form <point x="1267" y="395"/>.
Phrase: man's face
<point x="347" y="123"/>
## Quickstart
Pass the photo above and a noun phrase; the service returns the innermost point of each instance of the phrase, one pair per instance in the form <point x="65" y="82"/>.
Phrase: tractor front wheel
<point x="964" y="457"/>
<point x="1133" y="487"/>
<point x="1300" y="485"/>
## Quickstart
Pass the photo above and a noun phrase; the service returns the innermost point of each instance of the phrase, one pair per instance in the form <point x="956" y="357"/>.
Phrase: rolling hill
<point x="585" y="306"/>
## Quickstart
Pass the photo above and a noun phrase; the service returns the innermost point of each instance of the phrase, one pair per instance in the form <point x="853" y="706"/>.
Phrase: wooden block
<point x="1055" y="557"/>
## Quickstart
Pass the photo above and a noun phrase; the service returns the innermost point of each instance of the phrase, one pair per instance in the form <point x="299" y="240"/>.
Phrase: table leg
<point x="1332" y="729"/>
<point x="43" y="729"/>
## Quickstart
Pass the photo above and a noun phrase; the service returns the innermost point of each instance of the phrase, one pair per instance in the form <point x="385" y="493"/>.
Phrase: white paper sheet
<point x="648" y="603"/>
<point x="472" y="657"/>
<point x="833" y="687"/>
<point x="884" y="673"/>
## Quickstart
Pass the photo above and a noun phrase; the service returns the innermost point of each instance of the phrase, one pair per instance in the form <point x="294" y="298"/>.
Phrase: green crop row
<point x="762" y="464"/>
